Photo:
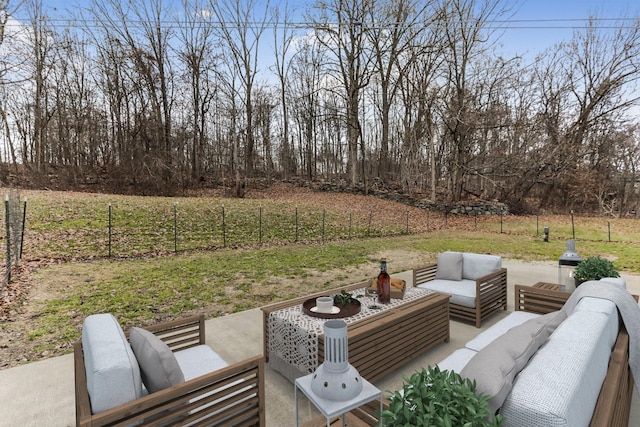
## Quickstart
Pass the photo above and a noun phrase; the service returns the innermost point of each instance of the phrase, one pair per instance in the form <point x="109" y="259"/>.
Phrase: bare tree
<point x="73" y="139"/>
<point x="339" y="27"/>
<point x="41" y="51"/>
<point x="13" y="64"/>
<point x="6" y="10"/>
<point x="465" y="29"/>
<point x="420" y="96"/>
<point x="4" y="15"/>
<point x="264" y="111"/>
<point x="600" y="67"/>
<point x="305" y="85"/>
<point x="199" y="58"/>
<point x="283" y="37"/>
<point x="241" y="24"/>
<point x="144" y="42"/>
<point x="587" y="86"/>
<point x="394" y="29"/>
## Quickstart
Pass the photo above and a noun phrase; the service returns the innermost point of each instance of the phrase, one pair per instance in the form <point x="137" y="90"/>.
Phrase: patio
<point x="42" y="393"/>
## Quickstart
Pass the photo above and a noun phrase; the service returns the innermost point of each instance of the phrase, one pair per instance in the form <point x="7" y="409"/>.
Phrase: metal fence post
<point x="8" y="226"/>
<point x="24" y="220"/>
<point x="260" y="226"/>
<point x="407" y="229"/>
<point x="224" y="229"/>
<point x="110" y="230"/>
<point x="175" y="227"/>
<point x="324" y="214"/>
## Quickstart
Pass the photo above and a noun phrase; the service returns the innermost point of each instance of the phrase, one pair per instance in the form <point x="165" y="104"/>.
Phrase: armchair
<point x="477" y="283"/>
<point x="228" y="395"/>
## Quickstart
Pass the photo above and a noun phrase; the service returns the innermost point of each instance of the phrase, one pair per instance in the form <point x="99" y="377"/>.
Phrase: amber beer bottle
<point x="384" y="283"/>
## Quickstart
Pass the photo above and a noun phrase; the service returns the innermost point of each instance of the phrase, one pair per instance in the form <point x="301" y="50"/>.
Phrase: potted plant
<point x="439" y="398"/>
<point x="344" y="298"/>
<point x="594" y="268"/>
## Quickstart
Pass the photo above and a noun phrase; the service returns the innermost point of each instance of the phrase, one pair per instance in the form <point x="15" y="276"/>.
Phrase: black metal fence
<point x="125" y="231"/>
<point x="154" y="226"/>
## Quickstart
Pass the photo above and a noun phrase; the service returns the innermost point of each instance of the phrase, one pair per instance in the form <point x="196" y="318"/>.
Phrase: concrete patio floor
<point x="42" y="393"/>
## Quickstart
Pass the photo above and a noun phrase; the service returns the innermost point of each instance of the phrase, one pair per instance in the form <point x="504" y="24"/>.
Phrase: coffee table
<point x="379" y="340"/>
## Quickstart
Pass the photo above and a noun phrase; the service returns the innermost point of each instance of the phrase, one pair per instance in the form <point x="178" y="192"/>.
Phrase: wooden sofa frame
<point x="491" y="294"/>
<point x="233" y="395"/>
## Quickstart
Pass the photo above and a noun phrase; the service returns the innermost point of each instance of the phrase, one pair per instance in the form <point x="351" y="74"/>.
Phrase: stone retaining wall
<point x="472" y="208"/>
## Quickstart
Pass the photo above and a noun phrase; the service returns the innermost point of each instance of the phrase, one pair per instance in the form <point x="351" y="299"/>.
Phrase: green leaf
<point x="439" y="398"/>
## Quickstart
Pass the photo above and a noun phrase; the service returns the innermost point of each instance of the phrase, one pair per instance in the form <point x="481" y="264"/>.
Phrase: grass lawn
<point x="221" y="280"/>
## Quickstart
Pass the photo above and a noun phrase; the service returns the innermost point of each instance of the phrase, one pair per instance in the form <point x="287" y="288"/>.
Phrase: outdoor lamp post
<point x="567" y="266"/>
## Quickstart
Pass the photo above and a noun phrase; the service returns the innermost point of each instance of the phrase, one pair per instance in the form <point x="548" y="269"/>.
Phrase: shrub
<point x="440" y="399"/>
<point x="594" y="268"/>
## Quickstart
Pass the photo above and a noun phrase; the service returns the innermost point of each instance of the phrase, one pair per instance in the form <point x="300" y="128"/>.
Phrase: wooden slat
<point x="539" y="300"/>
<point x="424" y="274"/>
<point x="378" y="345"/>
<point x="182" y="333"/>
<point x="614" y="402"/>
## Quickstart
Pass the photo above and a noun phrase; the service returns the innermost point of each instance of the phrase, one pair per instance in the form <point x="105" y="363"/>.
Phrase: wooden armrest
<point x="491" y="277"/>
<point x="424" y="274"/>
<point x="83" y="405"/>
<point x="613" y="406"/>
<point x="492" y="285"/>
<point x="237" y="391"/>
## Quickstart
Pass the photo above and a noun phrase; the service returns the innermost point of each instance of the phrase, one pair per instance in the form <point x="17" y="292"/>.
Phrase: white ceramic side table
<point x="330" y="408"/>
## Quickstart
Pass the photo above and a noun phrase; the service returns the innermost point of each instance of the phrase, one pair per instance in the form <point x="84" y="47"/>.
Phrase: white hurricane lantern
<point x="335" y="379"/>
<point x="567" y="264"/>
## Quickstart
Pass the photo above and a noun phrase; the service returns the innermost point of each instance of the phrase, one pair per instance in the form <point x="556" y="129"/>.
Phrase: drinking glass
<point x="373" y="292"/>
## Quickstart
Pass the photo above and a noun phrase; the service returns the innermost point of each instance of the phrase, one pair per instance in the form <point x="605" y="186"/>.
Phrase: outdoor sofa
<point x="477" y="283"/>
<point x="561" y="371"/>
<point x="115" y="386"/>
<point x="568" y="367"/>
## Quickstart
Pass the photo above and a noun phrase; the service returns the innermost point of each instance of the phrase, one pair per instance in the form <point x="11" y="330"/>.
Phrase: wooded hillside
<point x="153" y="97"/>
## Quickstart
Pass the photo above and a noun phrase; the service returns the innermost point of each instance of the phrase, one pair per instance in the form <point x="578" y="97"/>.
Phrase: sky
<point x="539" y="24"/>
<point x="534" y="26"/>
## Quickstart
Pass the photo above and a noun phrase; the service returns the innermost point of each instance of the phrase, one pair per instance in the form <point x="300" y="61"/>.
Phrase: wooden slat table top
<point x="547" y="285"/>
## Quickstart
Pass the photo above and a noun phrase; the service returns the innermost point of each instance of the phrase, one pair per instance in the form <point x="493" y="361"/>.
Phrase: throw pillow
<point x="496" y="365"/>
<point x="449" y="266"/>
<point x="158" y="365"/>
